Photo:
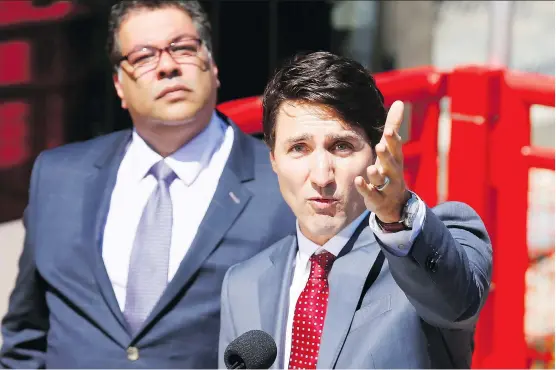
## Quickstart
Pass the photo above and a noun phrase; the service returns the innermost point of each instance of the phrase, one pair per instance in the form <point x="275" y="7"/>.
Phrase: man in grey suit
<point x="373" y="277"/>
<point x="129" y="235"/>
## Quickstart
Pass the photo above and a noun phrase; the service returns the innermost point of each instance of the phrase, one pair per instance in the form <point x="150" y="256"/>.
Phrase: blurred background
<point x="55" y="88"/>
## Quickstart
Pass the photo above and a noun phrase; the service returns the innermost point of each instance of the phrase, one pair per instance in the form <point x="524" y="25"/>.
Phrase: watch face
<point x="410" y="218"/>
<point x="411" y="209"/>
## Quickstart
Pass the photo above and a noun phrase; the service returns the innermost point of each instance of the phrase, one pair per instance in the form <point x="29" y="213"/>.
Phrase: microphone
<point x="254" y="349"/>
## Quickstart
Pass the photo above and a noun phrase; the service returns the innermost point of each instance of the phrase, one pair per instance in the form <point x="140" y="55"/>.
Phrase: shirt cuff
<point x="400" y="243"/>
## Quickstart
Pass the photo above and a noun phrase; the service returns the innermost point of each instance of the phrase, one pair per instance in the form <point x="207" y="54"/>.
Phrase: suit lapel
<point x="97" y="202"/>
<point x="229" y="200"/>
<point x="273" y="291"/>
<point x="346" y="280"/>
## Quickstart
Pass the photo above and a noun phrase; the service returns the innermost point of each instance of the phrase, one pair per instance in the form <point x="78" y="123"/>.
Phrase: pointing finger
<point x="395" y="117"/>
<point x="394" y="144"/>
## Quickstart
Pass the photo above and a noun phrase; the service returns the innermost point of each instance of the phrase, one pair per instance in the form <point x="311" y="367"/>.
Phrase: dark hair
<point x="122" y="9"/>
<point x="337" y="82"/>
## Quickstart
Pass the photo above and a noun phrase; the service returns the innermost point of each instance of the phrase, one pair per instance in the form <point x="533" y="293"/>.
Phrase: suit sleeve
<point x="447" y="274"/>
<point x="25" y="325"/>
<point x="227" y="332"/>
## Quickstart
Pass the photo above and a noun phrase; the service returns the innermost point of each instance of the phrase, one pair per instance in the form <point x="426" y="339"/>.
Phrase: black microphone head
<point x="254" y="349"/>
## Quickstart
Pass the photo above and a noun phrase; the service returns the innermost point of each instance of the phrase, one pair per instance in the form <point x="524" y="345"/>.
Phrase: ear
<point x="215" y="73"/>
<point x="374" y="157"/>
<point x="272" y="160"/>
<point x="213" y="69"/>
<point x="118" y="86"/>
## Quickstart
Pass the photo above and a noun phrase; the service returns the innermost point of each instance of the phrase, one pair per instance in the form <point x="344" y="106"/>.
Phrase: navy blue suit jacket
<point x="63" y="312"/>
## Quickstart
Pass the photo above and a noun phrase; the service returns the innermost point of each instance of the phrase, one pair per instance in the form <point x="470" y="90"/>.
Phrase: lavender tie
<point x="150" y="257"/>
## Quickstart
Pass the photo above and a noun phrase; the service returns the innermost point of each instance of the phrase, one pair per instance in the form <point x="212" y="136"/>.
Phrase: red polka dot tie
<point x="310" y="311"/>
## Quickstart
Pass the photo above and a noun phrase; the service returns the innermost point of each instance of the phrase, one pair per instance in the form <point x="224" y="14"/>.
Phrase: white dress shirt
<point x="198" y="166"/>
<point x="398" y="243"/>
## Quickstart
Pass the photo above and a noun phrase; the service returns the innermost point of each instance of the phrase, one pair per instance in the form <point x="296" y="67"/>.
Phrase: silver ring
<point x="386" y="182"/>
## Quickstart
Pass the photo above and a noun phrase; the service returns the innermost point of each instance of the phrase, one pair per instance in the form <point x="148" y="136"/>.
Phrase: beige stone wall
<point x="11" y="244"/>
<point x="407" y="31"/>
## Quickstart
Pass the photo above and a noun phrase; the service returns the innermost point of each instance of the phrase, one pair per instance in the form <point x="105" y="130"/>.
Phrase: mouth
<point x="176" y="90"/>
<point x="322" y="203"/>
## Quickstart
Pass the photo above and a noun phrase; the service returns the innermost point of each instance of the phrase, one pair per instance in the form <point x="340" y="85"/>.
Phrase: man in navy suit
<point x="129" y="235"/>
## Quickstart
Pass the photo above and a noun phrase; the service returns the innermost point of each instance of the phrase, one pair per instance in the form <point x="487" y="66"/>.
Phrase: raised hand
<point x="385" y="193"/>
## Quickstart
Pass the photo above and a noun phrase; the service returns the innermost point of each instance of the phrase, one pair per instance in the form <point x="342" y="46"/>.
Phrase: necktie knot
<point x="162" y="172"/>
<point x="321" y="264"/>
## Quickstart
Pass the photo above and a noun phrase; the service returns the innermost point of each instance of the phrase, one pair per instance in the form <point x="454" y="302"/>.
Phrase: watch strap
<point x="391" y="227"/>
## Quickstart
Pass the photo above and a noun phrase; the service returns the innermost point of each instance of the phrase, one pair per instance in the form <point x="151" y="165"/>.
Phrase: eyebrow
<point x="174" y="39"/>
<point x="183" y="36"/>
<point x="330" y="137"/>
<point x="343" y="137"/>
<point x="297" y="139"/>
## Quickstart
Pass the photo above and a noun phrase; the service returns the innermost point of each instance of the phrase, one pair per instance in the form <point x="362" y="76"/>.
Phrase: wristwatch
<point x="409" y="213"/>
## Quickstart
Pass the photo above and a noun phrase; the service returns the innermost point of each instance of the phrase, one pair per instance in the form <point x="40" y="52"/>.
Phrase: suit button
<point x="132" y="354"/>
<point x="432" y="263"/>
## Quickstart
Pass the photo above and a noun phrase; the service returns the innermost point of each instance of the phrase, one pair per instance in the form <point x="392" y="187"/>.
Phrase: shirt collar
<point x="188" y="161"/>
<point x="307" y="248"/>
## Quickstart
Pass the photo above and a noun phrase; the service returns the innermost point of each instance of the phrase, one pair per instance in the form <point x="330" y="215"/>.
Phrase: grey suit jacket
<point x="419" y="313"/>
<point x="63" y="312"/>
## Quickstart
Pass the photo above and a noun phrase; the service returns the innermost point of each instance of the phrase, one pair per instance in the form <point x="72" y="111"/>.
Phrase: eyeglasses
<point x="148" y="56"/>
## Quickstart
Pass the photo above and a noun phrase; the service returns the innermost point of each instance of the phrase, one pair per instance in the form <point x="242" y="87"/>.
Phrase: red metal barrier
<point x="247" y="113"/>
<point x="33" y="69"/>
<point x="492" y="154"/>
<point x="16" y="70"/>
<point x="19" y="12"/>
<point x="489" y="159"/>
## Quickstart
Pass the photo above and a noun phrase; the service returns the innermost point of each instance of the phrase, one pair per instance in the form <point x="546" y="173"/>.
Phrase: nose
<point x="167" y="67"/>
<point x="322" y="169"/>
